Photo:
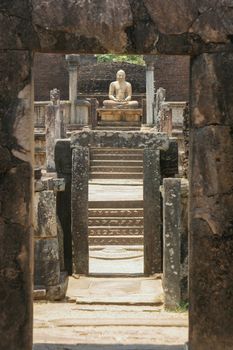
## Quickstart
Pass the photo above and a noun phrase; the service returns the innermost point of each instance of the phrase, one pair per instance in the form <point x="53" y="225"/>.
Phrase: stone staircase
<point x="115" y="223"/>
<point x="118" y="126"/>
<point x="113" y="163"/>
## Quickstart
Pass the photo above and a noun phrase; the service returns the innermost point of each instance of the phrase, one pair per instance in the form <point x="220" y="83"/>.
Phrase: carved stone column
<point x="73" y="64"/>
<point x="79" y="209"/>
<point x="150" y="93"/>
<point x="211" y="202"/>
<point x="152" y="212"/>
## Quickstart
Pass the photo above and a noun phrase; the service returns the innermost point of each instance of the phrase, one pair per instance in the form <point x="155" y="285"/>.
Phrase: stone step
<point x="116" y="221"/>
<point x="116" y="150"/>
<point x="115" y="231"/>
<point x="118" y="123"/>
<point x="124" y="162"/>
<point x="115" y="213"/>
<point x="118" y="128"/>
<point x="128" y="156"/>
<point x="107" y="175"/>
<point x="115" y="240"/>
<point x="116" y="169"/>
<point x="113" y="205"/>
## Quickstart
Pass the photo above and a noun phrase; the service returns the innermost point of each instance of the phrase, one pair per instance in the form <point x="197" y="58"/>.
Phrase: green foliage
<point x="135" y="59"/>
<point x="182" y="307"/>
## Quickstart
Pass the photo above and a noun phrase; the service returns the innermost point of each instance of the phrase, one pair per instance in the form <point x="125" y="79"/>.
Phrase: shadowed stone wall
<point x="201" y="29"/>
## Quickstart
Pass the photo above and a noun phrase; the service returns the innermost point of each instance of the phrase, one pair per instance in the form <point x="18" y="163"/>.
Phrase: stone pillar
<point x="171" y="242"/>
<point x="150" y="93"/>
<point x="52" y="128"/>
<point x="16" y="192"/>
<point x="73" y="64"/>
<point x="79" y="209"/>
<point x="63" y="161"/>
<point x="211" y="203"/>
<point x="152" y="212"/>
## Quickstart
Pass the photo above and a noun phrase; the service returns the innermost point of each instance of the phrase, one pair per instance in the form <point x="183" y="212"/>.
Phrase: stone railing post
<point x="52" y="128"/>
<point x="150" y="93"/>
<point x="152" y="219"/>
<point x="79" y="209"/>
<point x="175" y="242"/>
<point x="73" y="62"/>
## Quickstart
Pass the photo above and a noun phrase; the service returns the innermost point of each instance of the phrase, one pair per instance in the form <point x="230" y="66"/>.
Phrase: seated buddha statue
<point x="120" y="93"/>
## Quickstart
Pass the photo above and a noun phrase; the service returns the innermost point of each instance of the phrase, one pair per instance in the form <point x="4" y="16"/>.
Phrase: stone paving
<point x="115" y="290"/>
<point x="116" y="260"/>
<point x="68" y="326"/>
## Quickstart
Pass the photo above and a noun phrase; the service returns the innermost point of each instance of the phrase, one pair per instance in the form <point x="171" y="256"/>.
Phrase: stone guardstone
<point x="47" y="264"/>
<point x="45" y="224"/>
<point x="58" y="292"/>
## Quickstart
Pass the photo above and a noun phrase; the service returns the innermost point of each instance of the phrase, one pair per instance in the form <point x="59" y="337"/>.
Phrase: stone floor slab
<point x="68" y="326"/>
<point x="100" y="290"/>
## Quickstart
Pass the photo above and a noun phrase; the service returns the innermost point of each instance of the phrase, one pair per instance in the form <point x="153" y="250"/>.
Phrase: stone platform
<point x="120" y="114"/>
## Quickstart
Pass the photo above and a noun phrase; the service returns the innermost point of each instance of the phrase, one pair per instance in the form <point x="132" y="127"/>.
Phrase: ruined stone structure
<point x="202" y="30"/>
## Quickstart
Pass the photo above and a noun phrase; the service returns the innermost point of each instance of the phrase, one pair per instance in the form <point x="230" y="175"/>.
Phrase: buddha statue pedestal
<point x="120" y="114"/>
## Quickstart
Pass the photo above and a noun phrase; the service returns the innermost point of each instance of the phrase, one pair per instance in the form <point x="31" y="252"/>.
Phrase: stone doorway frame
<point x="201" y="30"/>
<point x="151" y="143"/>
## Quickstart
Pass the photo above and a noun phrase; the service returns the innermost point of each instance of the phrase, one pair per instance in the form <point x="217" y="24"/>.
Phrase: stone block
<point x="47" y="264"/>
<point x="39" y="293"/>
<point x="45" y="224"/>
<point x="63" y="157"/>
<point x="58" y="292"/>
<point x="169" y="159"/>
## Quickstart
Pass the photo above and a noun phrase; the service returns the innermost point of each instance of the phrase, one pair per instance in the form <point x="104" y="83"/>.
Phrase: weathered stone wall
<point x="171" y="72"/>
<point x="16" y="173"/>
<point x="211" y="199"/>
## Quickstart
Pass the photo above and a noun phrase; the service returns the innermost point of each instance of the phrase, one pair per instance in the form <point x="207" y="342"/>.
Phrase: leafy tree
<point x="135" y="59"/>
